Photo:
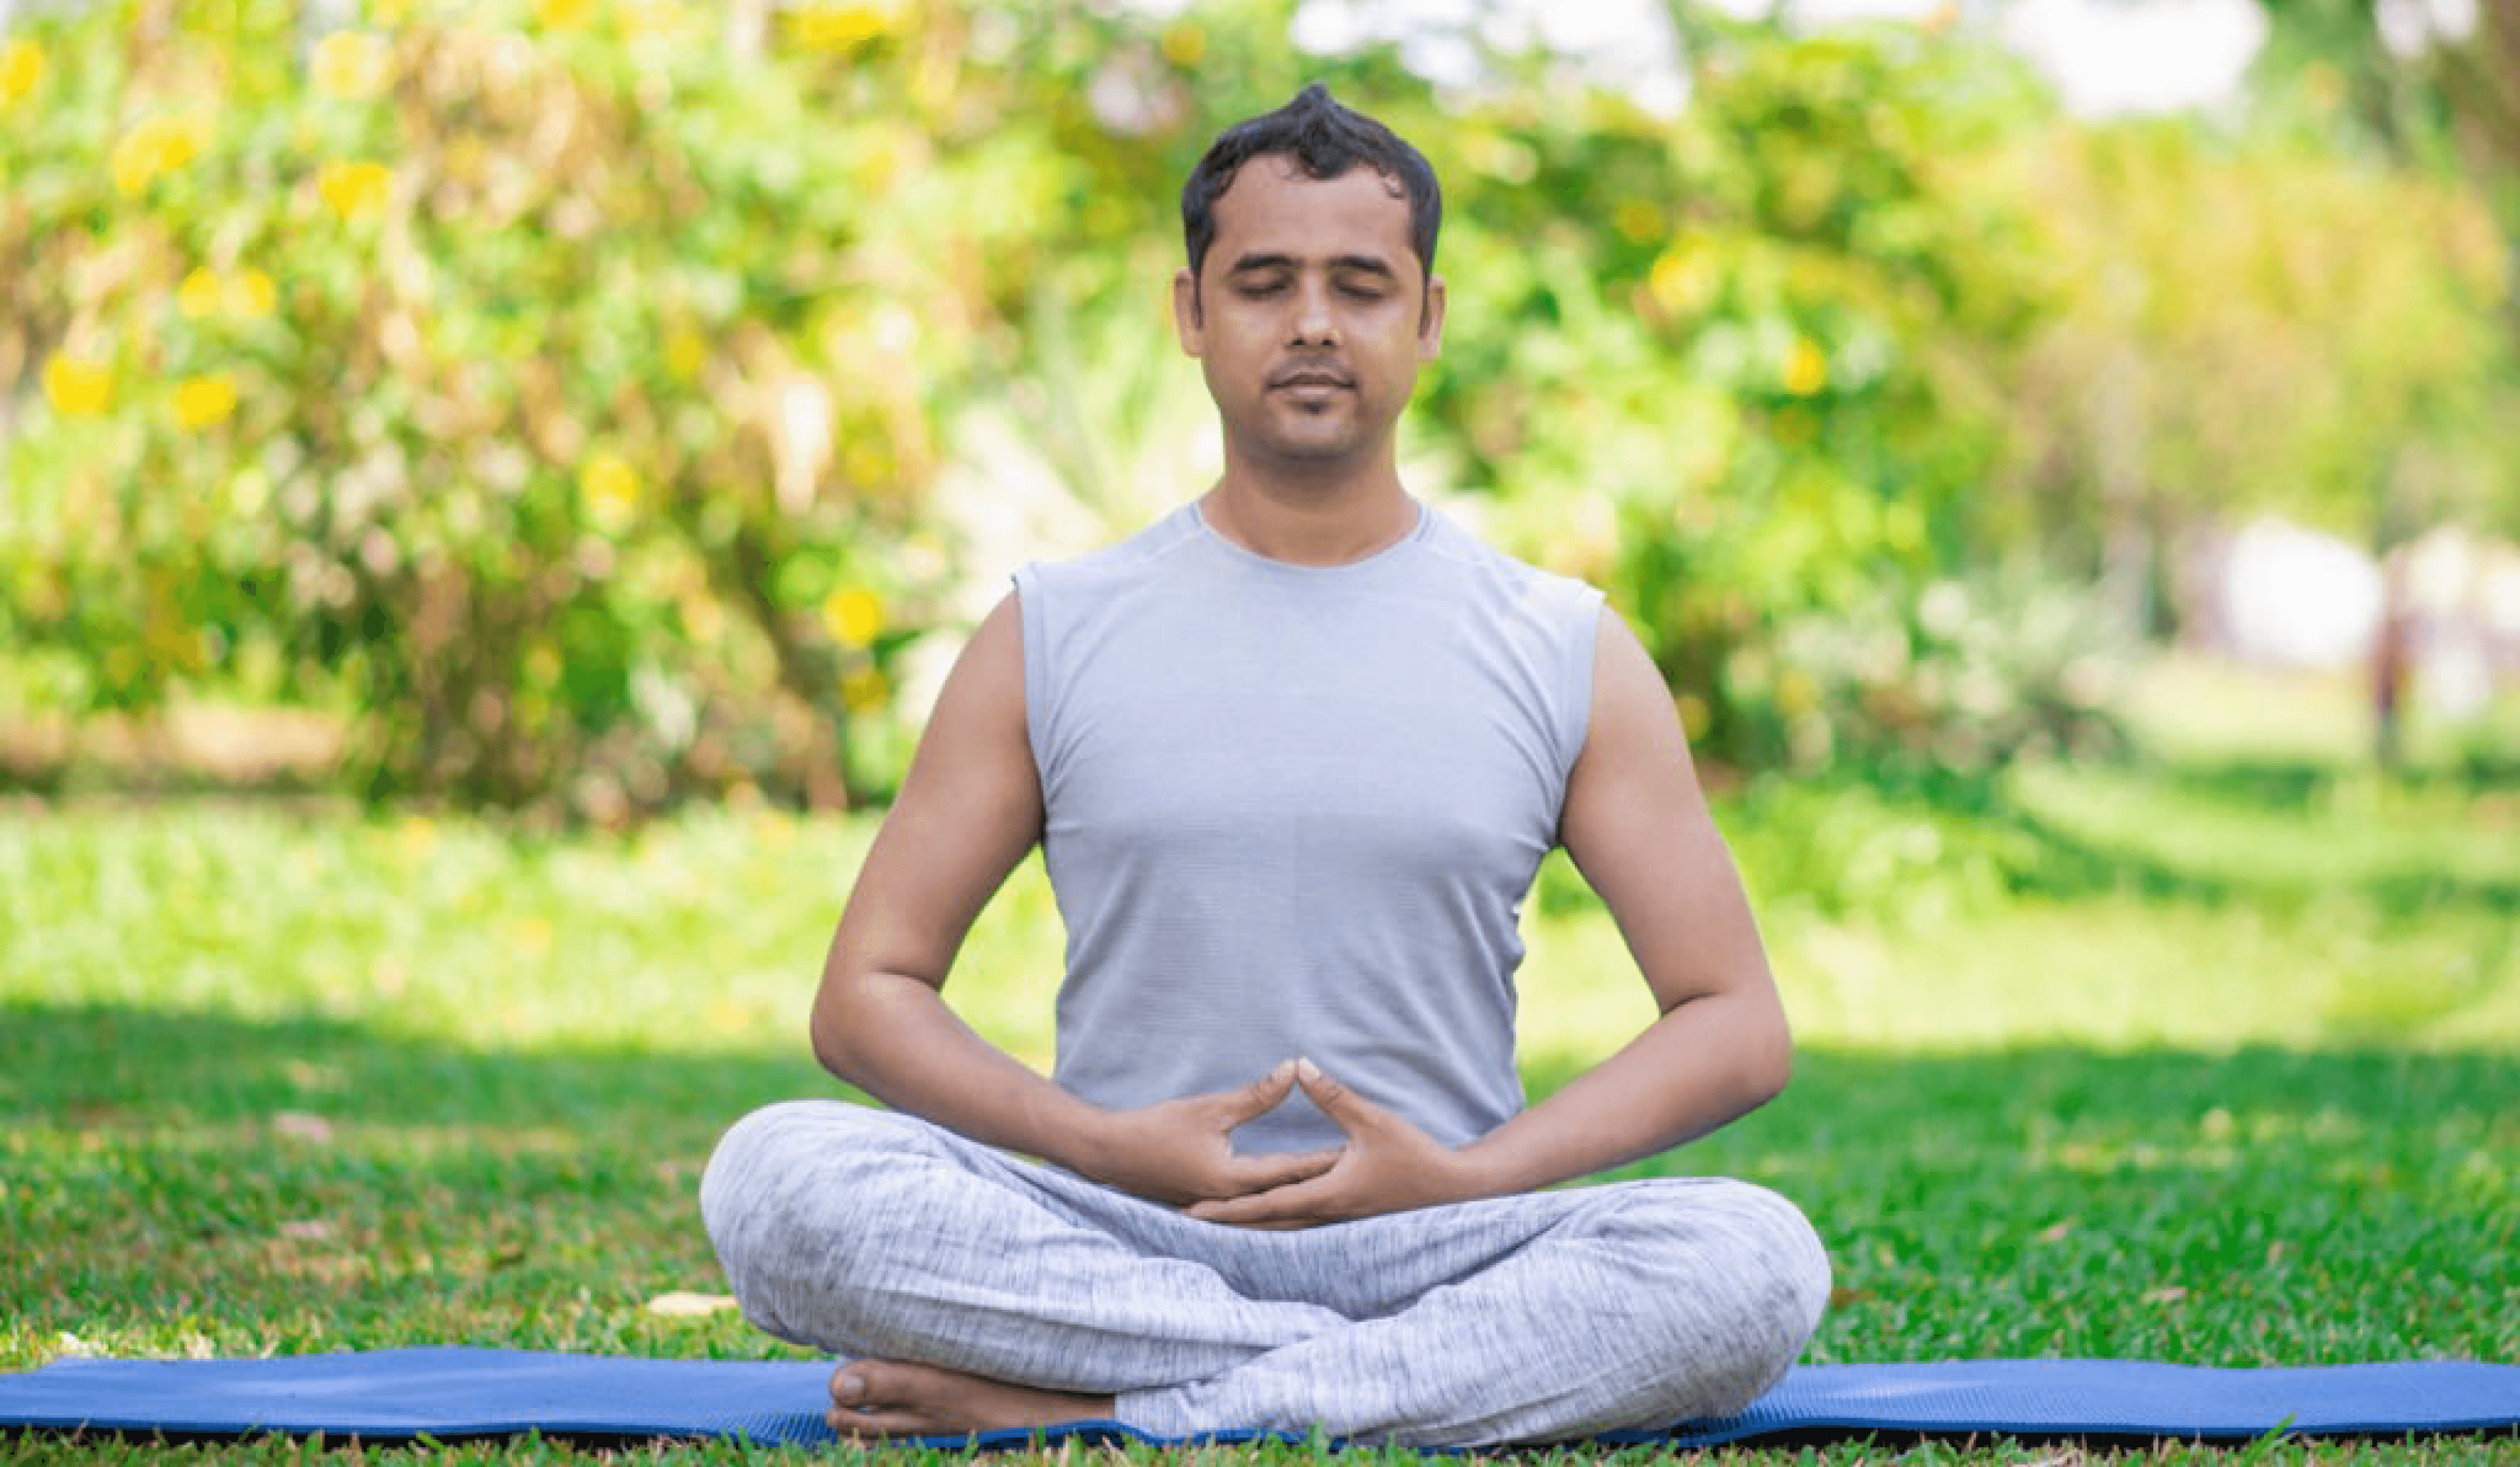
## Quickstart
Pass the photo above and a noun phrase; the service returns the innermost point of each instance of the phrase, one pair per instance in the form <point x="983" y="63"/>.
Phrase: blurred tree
<point x="2434" y="83"/>
<point x="2417" y="72"/>
<point x="535" y="376"/>
<point x="1744" y="366"/>
<point x="575" y="385"/>
<point x="2361" y="375"/>
<point x="2251" y="324"/>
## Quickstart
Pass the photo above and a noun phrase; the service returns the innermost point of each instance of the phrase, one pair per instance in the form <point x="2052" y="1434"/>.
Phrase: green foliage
<point x="1743" y="365"/>
<point x="2194" y="370"/>
<point x="550" y="392"/>
<point x="576" y="393"/>
<point x="1963" y="679"/>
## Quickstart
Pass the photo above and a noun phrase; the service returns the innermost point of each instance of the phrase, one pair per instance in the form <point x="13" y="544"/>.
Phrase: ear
<point x="1430" y="320"/>
<point x="1187" y="320"/>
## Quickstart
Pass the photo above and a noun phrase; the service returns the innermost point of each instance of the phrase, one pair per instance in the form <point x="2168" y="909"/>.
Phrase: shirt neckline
<point x="1415" y="534"/>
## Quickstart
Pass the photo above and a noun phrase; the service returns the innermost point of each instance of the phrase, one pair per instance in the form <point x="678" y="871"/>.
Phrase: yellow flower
<point x="77" y="388"/>
<point x="355" y="188"/>
<point x="247" y="294"/>
<point x="1637" y="220"/>
<point x="201" y="401"/>
<point x="201" y="294"/>
<point x="685" y="353"/>
<point x="1681" y="280"/>
<point x="842" y="26"/>
<point x="389" y="12"/>
<point x="565" y="14"/>
<point x="21" y="66"/>
<point x="1183" y="44"/>
<point x="153" y="146"/>
<point x="609" y="486"/>
<point x="349" y="63"/>
<point x="866" y="689"/>
<point x="852" y="615"/>
<point x="1806" y="368"/>
<point x="1797" y="693"/>
<point x="250" y="296"/>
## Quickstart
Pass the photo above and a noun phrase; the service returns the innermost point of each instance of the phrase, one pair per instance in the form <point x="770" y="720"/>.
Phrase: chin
<point x="1326" y="440"/>
<point x="1313" y="454"/>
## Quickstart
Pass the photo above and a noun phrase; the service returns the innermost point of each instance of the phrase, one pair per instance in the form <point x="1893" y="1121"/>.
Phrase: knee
<point x="786" y="1198"/>
<point x="1756" y="1283"/>
<point x="1779" y="1247"/>
<point x="773" y="1161"/>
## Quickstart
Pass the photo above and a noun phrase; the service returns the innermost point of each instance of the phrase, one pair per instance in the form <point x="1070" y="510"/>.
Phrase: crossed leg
<point x="984" y="1292"/>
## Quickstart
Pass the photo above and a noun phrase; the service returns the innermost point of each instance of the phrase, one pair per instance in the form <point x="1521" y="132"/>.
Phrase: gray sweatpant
<point x="1519" y="1318"/>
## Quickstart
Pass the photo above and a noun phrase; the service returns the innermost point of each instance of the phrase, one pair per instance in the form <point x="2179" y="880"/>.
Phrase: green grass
<point x="2213" y="1059"/>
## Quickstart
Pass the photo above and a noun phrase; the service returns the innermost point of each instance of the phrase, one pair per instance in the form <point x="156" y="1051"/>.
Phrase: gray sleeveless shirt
<point x="1295" y="810"/>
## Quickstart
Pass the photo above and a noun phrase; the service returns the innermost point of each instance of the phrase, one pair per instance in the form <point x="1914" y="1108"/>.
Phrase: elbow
<point x="1773" y="1073"/>
<point x="825" y="1036"/>
<point x="829" y="1029"/>
<point x="1768" y="1060"/>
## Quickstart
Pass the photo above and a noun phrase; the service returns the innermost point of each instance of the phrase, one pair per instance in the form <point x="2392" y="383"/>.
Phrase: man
<point x="1293" y="755"/>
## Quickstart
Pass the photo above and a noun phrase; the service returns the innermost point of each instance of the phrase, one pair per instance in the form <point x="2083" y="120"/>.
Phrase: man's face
<point x="1310" y="316"/>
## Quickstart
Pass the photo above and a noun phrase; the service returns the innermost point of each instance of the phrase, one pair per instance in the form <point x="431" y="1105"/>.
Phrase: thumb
<point x="1261" y="1096"/>
<point x="1339" y="1102"/>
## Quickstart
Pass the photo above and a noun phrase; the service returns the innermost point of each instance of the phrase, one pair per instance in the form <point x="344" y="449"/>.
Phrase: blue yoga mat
<point x="453" y="1391"/>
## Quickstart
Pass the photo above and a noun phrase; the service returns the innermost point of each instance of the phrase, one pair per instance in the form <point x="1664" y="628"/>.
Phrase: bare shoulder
<point x="974" y="764"/>
<point x="968" y="811"/>
<point x="1634" y="746"/>
<point x="986" y="685"/>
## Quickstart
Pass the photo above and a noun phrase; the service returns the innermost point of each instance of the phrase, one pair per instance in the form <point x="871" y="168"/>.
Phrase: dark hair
<point x="1326" y="140"/>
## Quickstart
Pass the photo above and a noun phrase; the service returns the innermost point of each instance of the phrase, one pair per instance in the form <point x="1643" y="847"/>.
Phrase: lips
<point x="1310" y="377"/>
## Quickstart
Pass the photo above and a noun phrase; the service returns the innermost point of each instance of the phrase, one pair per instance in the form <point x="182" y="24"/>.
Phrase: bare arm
<point x="968" y="809"/>
<point x="1635" y="822"/>
<point x="1638" y="827"/>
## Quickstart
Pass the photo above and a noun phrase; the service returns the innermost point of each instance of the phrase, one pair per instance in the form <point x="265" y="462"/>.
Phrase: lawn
<point x="2210" y="1056"/>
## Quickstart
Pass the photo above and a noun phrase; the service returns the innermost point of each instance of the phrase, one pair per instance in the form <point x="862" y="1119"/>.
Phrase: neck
<point x="1303" y="527"/>
<point x="1310" y="514"/>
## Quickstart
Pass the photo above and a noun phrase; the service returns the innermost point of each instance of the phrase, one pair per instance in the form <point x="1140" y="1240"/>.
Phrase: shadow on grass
<point x="2279" y="802"/>
<point x="2065" y="865"/>
<point x="309" y="1183"/>
<point x="2301" y="784"/>
<point x="2265" y="1206"/>
<point x="199" y="1180"/>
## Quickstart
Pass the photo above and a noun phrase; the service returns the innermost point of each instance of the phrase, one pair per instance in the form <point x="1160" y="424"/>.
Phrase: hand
<point x="1182" y="1151"/>
<point x="1387" y="1166"/>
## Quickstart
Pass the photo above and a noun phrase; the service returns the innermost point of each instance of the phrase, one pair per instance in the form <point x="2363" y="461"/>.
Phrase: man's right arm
<point x="968" y="811"/>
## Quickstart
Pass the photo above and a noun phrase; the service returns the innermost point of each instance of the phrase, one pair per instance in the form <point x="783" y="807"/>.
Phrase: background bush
<point x="595" y="401"/>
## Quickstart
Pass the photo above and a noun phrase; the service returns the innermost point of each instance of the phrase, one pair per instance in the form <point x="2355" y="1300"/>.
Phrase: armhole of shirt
<point x="1038" y="710"/>
<point x="1582" y="635"/>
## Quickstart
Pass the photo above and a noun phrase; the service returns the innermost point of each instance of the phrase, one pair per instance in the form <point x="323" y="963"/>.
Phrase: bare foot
<point x="895" y="1399"/>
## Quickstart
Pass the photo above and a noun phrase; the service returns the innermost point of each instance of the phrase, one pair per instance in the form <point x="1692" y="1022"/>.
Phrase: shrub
<point x="541" y="383"/>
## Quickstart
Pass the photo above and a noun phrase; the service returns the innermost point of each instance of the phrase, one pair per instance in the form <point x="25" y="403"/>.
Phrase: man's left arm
<point x="1637" y="823"/>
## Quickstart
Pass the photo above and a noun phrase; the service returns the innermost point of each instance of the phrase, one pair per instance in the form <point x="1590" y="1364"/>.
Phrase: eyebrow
<point x="1367" y="263"/>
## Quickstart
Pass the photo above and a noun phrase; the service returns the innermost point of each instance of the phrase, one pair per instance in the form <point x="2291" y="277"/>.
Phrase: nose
<point x="1315" y="324"/>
